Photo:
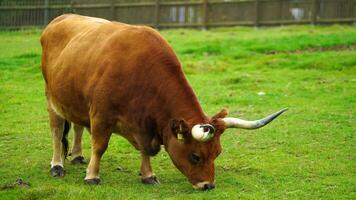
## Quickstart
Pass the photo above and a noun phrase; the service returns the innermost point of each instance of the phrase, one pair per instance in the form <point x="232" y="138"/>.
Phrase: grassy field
<point x="308" y="153"/>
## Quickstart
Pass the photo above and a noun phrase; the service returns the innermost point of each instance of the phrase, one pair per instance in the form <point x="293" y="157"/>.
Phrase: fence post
<point x="72" y="6"/>
<point x="45" y="15"/>
<point x="112" y="10"/>
<point x="280" y="11"/>
<point x="351" y="13"/>
<point x="205" y="14"/>
<point x="257" y="10"/>
<point x="315" y="11"/>
<point x="157" y="16"/>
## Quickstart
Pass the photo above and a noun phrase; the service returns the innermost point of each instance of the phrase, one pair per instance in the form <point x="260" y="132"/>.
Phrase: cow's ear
<point x="179" y="128"/>
<point x="223" y="113"/>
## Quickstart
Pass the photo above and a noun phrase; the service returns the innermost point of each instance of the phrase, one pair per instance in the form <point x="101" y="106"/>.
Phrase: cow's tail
<point x="65" y="138"/>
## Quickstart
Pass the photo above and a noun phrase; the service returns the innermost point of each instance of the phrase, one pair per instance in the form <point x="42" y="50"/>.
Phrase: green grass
<point x="308" y="153"/>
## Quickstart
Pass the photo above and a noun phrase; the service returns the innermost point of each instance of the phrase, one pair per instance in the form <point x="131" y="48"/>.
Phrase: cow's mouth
<point x="205" y="185"/>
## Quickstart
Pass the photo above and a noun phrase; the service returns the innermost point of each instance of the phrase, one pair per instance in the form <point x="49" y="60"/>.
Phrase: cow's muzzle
<point x="205" y="185"/>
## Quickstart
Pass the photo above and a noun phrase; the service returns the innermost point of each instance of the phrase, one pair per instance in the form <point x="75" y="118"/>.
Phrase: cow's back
<point x="84" y="59"/>
<point x="69" y="34"/>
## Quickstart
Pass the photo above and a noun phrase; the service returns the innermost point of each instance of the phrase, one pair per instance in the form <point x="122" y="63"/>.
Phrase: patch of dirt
<point x="342" y="47"/>
<point x="18" y="183"/>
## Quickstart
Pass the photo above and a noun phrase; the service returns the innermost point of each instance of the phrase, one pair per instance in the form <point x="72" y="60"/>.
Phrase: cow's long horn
<point x="231" y="122"/>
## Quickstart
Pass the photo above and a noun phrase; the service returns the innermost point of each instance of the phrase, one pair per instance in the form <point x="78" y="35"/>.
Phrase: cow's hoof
<point x="153" y="180"/>
<point x="57" y="171"/>
<point x="78" y="160"/>
<point x="93" y="181"/>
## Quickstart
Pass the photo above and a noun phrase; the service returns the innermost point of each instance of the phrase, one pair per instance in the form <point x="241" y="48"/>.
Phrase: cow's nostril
<point x="209" y="186"/>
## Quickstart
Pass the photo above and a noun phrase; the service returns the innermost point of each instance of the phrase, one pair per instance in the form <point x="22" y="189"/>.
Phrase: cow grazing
<point x="112" y="77"/>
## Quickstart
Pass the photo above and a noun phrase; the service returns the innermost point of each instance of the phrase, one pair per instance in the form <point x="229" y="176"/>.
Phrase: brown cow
<point x="116" y="78"/>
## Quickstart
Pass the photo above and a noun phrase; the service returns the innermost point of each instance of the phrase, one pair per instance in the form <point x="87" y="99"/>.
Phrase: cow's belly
<point x="71" y="109"/>
<point x="66" y="90"/>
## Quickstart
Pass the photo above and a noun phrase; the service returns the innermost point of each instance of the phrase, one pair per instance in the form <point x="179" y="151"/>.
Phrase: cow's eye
<point x="194" y="158"/>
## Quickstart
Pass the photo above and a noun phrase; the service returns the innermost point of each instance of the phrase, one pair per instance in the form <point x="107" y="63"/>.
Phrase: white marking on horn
<point x="199" y="134"/>
<point x="231" y="122"/>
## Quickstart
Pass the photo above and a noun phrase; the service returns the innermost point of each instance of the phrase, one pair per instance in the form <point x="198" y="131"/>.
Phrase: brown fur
<point x="114" y="77"/>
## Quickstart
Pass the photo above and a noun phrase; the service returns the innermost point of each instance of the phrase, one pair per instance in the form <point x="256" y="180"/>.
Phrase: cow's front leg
<point x="100" y="135"/>
<point x="77" y="153"/>
<point x="147" y="175"/>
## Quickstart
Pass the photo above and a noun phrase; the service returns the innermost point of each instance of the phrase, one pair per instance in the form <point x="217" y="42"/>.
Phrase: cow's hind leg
<point x="59" y="128"/>
<point x="77" y="153"/>
<point x="100" y="135"/>
<point x="147" y="175"/>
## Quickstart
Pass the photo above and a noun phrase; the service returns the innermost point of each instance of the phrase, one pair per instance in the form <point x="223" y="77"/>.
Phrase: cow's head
<point x="194" y="147"/>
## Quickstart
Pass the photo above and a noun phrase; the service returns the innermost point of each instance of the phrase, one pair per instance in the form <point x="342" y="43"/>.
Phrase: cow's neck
<point x="179" y="103"/>
<point x="165" y="95"/>
<point x="185" y="106"/>
<point x="190" y="111"/>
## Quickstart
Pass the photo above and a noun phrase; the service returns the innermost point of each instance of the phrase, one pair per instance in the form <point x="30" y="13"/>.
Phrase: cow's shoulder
<point x="67" y="26"/>
<point x="62" y="17"/>
<point x="137" y="32"/>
